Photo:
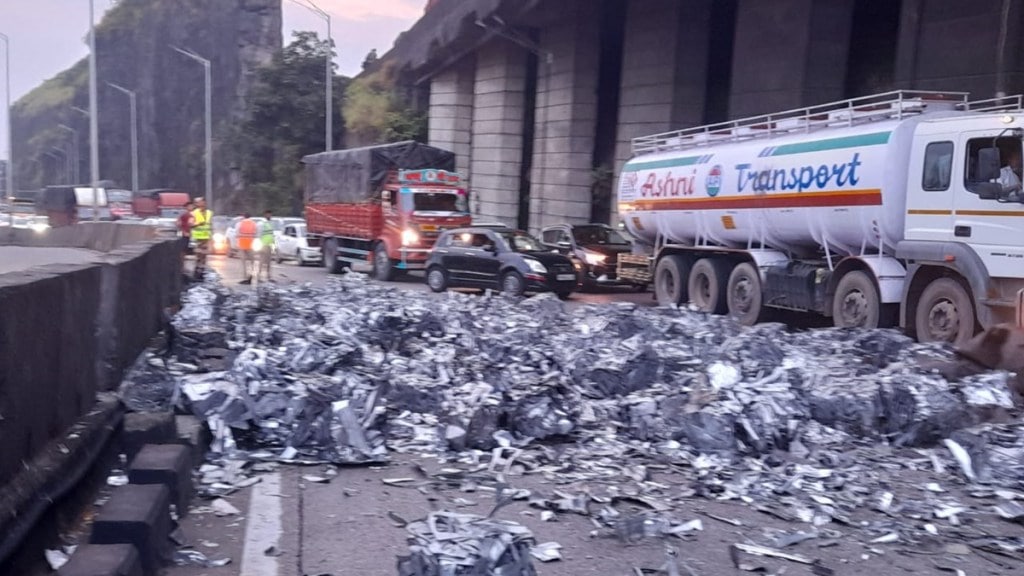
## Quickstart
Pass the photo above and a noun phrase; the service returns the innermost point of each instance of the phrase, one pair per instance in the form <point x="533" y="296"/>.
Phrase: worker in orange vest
<point x="247" y="234"/>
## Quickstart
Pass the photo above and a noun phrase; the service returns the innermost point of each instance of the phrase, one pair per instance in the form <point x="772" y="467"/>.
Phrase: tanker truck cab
<point x="898" y="208"/>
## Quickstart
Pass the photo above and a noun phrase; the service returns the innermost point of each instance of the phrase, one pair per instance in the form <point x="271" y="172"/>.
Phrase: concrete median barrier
<point x="69" y="331"/>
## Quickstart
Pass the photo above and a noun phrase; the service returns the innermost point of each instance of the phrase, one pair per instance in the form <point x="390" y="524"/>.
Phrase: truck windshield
<point x="439" y="202"/>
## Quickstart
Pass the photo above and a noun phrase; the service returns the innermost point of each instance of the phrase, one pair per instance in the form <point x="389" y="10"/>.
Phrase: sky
<point x="48" y="36"/>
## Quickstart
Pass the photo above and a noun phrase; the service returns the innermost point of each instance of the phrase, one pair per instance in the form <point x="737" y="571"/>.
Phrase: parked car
<point x="281" y="222"/>
<point x="506" y="259"/>
<point x="294" y="243"/>
<point x="594" y="249"/>
<point x="490" y="224"/>
<point x="219" y="227"/>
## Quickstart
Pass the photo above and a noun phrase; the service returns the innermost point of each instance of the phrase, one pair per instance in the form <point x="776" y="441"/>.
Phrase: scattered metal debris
<point x="197" y="558"/>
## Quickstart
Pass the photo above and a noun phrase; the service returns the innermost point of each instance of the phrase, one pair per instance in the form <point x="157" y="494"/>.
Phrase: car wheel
<point x="437" y="279"/>
<point x="640" y="288"/>
<point x="512" y="283"/>
<point x="563" y="294"/>
<point x="383" y="270"/>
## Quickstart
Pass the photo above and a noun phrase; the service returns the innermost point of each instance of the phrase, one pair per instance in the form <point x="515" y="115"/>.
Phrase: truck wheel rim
<point x="742" y="295"/>
<point x="435" y="279"/>
<point x="703" y="296"/>
<point x="944" y="321"/>
<point x="668" y="283"/>
<point x="854" y="308"/>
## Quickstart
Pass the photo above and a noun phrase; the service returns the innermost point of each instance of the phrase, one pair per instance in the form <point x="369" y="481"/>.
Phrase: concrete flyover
<point x="68" y="331"/>
<point x="540" y="99"/>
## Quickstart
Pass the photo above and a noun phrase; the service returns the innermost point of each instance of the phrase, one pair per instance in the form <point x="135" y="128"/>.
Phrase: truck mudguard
<point x="955" y="256"/>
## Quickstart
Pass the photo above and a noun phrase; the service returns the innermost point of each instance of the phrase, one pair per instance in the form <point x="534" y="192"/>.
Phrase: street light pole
<point x="209" y="121"/>
<point x="74" y="155"/>
<point x="9" y="172"/>
<point x="94" y="137"/>
<point x="64" y="157"/>
<point x="85" y="113"/>
<point x="135" y="136"/>
<point x="328" y="76"/>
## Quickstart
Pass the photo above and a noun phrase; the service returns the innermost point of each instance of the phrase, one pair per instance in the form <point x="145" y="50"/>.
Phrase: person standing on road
<point x="185" y="221"/>
<point x="267" y="240"/>
<point x="201" y="232"/>
<point x="247" y="233"/>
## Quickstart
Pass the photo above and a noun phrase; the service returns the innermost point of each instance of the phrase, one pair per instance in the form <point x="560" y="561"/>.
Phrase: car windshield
<point x="439" y="202"/>
<point x="521" y="242"/>
<point x="590" y="235"/>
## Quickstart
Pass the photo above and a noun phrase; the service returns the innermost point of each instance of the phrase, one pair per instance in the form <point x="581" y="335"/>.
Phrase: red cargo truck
<point x="159" y="203"/>
<point x="383" y="204"/>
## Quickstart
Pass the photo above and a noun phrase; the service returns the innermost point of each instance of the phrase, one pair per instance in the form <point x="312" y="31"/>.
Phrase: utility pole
<point x="9" y="172"/>
<point x="85" y="113"/>
<point x="328" y="76"/>
<point x="63" y="159"/>
<point x="209" y="122"/>
<point x="94" y="137"/>
<point x="74" y="155"/>
<point x="135" y="135"/>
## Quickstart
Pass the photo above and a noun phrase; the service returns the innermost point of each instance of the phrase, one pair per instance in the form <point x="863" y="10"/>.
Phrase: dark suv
<point x="509" y="260"/>
<point x="593" y="248"/>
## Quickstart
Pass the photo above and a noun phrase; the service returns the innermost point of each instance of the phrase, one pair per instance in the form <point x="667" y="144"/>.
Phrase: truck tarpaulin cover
<point x="358" y="174"/>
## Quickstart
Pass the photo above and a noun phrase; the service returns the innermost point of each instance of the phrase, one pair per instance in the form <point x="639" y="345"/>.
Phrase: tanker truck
<point x="902" y="208"/>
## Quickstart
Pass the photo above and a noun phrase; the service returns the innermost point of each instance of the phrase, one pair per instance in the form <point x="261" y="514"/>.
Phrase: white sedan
<point x="294" y="244"/>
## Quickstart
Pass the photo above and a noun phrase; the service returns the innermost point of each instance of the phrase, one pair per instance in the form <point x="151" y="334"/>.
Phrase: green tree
<point x="375" y="113"/>
<point x="284" y="121"/>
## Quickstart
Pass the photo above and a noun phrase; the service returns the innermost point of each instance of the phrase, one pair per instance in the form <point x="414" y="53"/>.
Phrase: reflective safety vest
<point x="201" y="224"/>
<point x="267" y="234"/>
<point x="246" y="234"/>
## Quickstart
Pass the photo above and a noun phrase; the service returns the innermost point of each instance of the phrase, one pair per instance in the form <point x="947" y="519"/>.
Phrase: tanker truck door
<point x="989" y="205"/>
<point x="930" y="190"/>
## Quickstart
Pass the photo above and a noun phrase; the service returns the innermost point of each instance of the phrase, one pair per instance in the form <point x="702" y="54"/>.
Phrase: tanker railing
<point x="875" y="108"/>
<point x="997" y="104"/>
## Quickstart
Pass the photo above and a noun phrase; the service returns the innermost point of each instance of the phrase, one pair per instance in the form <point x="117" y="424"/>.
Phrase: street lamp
<point x="85" y="113"/>
<point x="94" y="137"/>
<point x="10" y="138"/>
<point x="328" y="76"/>
<point x="64" y="159"/>
<point x="135" y="136"/>
<point x="209" y="125"/>
<point x="74" y="142"/>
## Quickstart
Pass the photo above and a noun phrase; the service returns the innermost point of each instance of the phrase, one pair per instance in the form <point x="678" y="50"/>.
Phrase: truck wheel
<point x="382" y="268"/>
<point x="743" y="294"/>
<point x="945" y="313"/>
<point x="706" y="286"/>
<point x="437" y="279"/>
<point x="512" y="283"/>
<point x="670" y="280"/>
<point x="856" y="303"/>
<point x="333" y="264"/>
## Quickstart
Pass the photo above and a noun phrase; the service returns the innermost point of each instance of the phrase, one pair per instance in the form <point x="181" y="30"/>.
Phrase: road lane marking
<point x="263" y="527"/>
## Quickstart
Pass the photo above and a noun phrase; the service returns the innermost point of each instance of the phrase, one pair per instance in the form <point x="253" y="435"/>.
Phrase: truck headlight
<point x="595" y="259"/>
<point x="535" y="266"/>
<point x="410" y="237"/>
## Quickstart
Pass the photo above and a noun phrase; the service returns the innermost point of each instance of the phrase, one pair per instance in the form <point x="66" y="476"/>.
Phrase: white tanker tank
<point x="829" y="209"/>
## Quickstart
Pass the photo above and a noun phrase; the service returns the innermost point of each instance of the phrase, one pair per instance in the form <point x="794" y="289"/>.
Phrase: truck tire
<point x="856" y="303"/>
<point x="333" y="264"/>
<point x="670" y="280"/>
<point x="706" y="285"/>
<point x="744" y="298"/>
<point x="944" y="313"/>
<point x="383" y="268"/>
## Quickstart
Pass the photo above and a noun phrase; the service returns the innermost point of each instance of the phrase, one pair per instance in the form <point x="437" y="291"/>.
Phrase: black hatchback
<point x="509" y="260"/>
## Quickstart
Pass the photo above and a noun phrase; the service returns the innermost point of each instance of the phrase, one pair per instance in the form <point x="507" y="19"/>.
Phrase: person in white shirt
<point x="1009" y="176"/>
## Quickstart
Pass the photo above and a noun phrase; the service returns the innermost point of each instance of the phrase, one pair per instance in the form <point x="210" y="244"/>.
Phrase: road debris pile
<point x="802" y="427"/>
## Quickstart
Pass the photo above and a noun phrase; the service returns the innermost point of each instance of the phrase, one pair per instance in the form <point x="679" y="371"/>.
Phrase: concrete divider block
<point x="137" y="514"/>
<point x="193" y="433"/>
<point x="103" y="560"/>
<point x="141" y="428"/>
<point x="169" y="465"/>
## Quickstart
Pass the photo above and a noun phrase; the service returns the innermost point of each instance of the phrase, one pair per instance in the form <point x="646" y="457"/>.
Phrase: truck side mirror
<point x="988" y="164"/>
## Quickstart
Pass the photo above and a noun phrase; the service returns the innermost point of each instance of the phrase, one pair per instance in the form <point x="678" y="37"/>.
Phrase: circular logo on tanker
<point x="713" y="183"/>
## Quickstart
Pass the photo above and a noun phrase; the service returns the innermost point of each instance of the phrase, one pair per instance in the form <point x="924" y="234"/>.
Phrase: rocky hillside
<point x="134" y="50"/>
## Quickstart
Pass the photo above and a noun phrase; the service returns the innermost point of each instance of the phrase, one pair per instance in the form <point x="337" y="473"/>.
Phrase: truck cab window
<point x="994" y="169"/>
<point x="938" y="166"/>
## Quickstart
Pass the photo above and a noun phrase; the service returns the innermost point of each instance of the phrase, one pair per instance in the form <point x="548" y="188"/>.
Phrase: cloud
<point x="361" y="10"/>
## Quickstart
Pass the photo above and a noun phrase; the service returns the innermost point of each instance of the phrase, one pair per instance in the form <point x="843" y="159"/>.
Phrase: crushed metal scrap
<point x="802" y="426"/>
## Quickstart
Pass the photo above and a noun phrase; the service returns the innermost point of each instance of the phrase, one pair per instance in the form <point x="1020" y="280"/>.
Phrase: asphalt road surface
<point x="230" y="270"/>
